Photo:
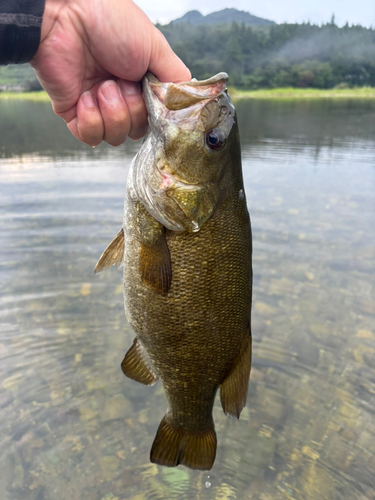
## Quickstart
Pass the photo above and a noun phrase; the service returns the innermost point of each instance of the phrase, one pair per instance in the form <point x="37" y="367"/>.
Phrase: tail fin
<point x="175" y="445"/>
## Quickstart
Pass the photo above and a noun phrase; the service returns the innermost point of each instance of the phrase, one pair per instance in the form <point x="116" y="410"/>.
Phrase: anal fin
<point x="137" y="367"/>
<point x="113" y="254"/>
<point x="175" y="445"/>
<point x="233" y="391"/>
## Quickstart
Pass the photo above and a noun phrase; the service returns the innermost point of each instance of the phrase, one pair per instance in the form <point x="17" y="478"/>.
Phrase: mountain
<point x="225" y="16"/>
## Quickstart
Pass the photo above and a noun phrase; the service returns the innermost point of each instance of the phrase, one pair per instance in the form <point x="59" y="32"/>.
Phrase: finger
<point x="164" y="63"/>
<point x="132" y="94"/>
<point x="115" y="113"/>
<point x="73" y="127"/>
<point x="68" y="115"/>
<point x="88" y="125"/>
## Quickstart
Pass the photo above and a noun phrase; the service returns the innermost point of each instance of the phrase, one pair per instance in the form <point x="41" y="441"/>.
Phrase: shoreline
<point x="25" y="96"/>
<point x="299" y="93"/>
<point x="278" y="93"/>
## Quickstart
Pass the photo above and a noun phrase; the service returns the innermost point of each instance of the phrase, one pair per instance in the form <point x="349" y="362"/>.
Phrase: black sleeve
<point x="20" y="26"/>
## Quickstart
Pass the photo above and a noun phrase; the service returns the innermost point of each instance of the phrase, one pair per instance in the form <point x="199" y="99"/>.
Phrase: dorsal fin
<point x="113" y="254"/>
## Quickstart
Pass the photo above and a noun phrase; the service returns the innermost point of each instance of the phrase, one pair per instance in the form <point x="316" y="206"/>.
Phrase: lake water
<point x="73" y="427"/>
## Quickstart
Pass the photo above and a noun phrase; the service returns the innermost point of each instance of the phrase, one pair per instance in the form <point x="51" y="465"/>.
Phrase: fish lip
<point x="153" y="105"/>
<point x="210" y="81"/>
<point x="150" y="78"/>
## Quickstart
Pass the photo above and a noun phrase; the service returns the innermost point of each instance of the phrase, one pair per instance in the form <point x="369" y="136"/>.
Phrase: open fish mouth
<point x="162" y="98"/>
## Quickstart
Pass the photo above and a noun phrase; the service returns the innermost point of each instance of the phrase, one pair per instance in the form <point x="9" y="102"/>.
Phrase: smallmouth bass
<point x="186" y="249"/>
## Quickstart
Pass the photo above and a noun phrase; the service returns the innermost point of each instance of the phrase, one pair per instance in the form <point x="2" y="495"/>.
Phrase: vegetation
<point x="278" y="93"/>
<point x="260" y="55"/>
<point x="285" y="55"/>
<point x="18" y="76"/>
<point x="306" y="93"/>
<point x="29" y="96"/>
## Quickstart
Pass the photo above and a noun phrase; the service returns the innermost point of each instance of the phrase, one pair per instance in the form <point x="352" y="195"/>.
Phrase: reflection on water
<point x="73" y="427"/>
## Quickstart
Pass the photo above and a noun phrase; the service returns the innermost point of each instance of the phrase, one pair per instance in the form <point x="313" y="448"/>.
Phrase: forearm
<point x="20" y="29"/>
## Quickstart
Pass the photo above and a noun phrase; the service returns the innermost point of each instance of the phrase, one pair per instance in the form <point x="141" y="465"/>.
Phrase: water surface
<point x="73" y="427"/>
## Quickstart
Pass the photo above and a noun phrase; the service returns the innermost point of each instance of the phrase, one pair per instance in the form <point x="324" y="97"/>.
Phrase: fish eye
<point x="216" y="139"/>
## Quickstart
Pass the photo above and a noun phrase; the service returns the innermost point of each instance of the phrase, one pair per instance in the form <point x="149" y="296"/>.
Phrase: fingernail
<point x="88" y="99"/>
<point x="110" y="91"/>
<point x="129" y="88"/>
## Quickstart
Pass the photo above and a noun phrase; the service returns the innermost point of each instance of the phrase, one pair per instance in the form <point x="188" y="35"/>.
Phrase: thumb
<point x="164" y="64"/>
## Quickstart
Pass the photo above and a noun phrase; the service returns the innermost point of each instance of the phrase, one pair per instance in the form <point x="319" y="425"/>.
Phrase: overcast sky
<point x="315" y="11"/>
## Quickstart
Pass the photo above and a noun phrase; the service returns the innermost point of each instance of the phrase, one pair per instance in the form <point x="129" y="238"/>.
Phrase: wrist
<point x="54" y="13"/>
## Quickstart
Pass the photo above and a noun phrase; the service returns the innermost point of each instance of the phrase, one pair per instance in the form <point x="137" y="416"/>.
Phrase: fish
<point x="186" y="251"/>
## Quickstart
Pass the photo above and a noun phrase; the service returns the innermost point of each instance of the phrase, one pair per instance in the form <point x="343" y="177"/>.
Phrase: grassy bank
<point x="280" y="93"/>
<point x="309" y="93"/>
<point x="29" y="96"/>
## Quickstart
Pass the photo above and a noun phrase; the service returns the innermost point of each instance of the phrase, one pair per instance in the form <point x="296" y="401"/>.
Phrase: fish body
<point x="187" y="265"/>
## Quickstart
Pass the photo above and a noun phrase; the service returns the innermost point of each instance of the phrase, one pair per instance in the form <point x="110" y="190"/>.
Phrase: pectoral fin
<point x="233" y="391"/>
<point x="113" y="254"/>
<point x="137" y="366"/>
<point x="154" y="258"/>
<point x="155" y="263"/>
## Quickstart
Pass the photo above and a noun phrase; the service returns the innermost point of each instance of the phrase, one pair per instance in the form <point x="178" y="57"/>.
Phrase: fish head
<point x="192" y="139"/>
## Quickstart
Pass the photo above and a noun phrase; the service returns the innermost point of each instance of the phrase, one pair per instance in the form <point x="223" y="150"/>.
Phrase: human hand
<point x="91" y="55"/>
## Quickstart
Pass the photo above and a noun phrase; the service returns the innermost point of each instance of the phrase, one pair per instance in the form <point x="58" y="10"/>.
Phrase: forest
<point x="259" y="55"/>
<point x="284" y="55"/>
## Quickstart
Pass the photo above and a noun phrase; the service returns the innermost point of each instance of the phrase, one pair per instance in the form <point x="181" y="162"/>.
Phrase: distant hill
<point x="224" y="16"/>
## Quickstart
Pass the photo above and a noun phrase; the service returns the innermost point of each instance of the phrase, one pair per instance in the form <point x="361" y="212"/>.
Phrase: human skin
<point x="91" y="56"/>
